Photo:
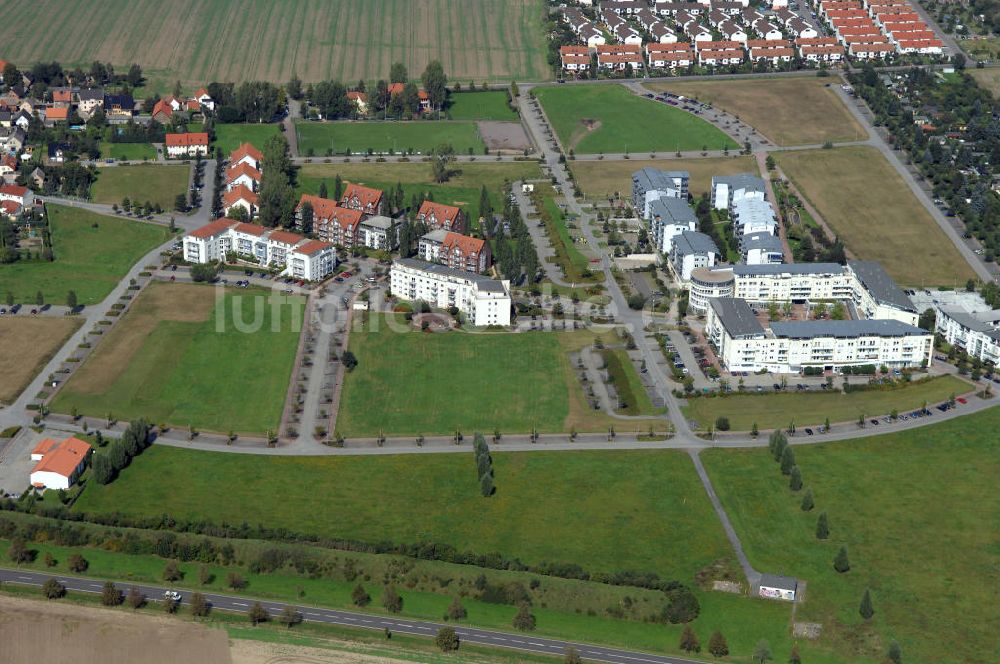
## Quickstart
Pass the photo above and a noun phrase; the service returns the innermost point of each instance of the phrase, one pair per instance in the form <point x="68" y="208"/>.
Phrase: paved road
<point x="521" y="641"/>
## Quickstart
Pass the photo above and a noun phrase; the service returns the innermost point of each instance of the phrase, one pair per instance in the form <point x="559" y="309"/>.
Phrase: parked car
<point x="172" y="595"/>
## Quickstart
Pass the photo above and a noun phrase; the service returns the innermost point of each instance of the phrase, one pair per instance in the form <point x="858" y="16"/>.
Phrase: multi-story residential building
<point x="726" y="189"/>
<point x="240" y="197"/>
<point x="364" y="199"/>
<point x="247" y="154"/>
<point x="742" y="343"/>
<point x="455" y="250"/>
<point x="691" y="250"/>
<point x="575" y="58"/>
<point x="752" y="215"/>
<point x="796" y="282"/>
<point x="347" y="227"/>
<point x="438" y="216"/>
<point x="976" y="332"/>
<point x="484" y="301"/>
<point x="17" y="195"/>
<point x="761" y="249"/>
<point x="650" y="184"/>
<point x="668" y="218"/>
<point x="876" y="295"/>
<point x="378" y="232"/>
<point x="296" y="256"/>
<point x="707" y="284"/>
<point x="186" y="145"/>
<point x="242" y="174"/>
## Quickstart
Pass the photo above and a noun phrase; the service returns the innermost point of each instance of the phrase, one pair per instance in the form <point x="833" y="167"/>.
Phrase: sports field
<point x="601" y="179"/>
<point x="28" y="343"/>
<point x="812" y="408"/>
<point x="168" y="361"/>
<point x="146" y="183"/>
<point x="92" y="253"/>
<point x="788" y="111"/>
<point x="917" y="514"/>
<point x="422" y="136"/>
<point x="489" y="105"/>
<point x="199" y="41"/>
<point x="462" y="190"/>
<point x="885" y="223"/>
<point x="608" y="118"/>
<point x="228" y="137"/>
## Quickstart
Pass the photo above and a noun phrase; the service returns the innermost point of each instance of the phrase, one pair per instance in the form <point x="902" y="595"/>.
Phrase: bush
<point x="524" y="620"/>
<point x="682" y="606"/>
<point x="447" y="639"/>
<point x="722" y="424"/>
<point x="52" y="589"/>
<point x="360" y="597"/>
<point x="391" y="600"/>
<point x="77" y="563"/>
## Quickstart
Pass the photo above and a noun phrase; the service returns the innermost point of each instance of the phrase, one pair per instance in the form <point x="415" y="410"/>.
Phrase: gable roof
<point x="323" y="208"/>
<point x="464" y="243"/>
<point x="57" y="113"/>
<point x="162" y="106"/>
<point x="184" y="140"/>
<point x="13" y="190"/>
<point x="238" y="193"/>
<point x="246" y="150"/>
<point x="241" y="169"/>
<point x="213" y="228"/>
<point x="439" y="211"/>
<point x="366" y="195"/>
<point x="65" y="458"/>
<point x="313" y="247"/>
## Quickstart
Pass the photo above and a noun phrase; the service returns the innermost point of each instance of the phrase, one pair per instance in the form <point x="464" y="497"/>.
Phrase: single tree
<point x="135" y="599"/>
<point x="19" y="552"/>
<point x="717" y="645"/>
<point x="787" y="460"/>
<point x="290" y="616"/>
<point x="794" y="657"/>
<point x="39" y="298"/>
<point x="199" y="605"/>
<point x="236" y="581"/>
<point x="170" y="604"/>
<point x="807" y="501"/>
<point x="895" y="654"/>
<point x="689" y="640"/>
<point x="524" y="620"/>
<point x="866" y="609"/>
<point x="762" y="653"/>
<point x="205" y="575"/>
<point x="171" y="572"/>
<point x="391" y="600"/>
<point x="49" y="560"/>
<point x="840" y="561"/>
<point x="71" y="299"/>
<point x="359" y="596"/>
<point x="258" y="614"/>
<point x="110" y="595"/>
<point x="52" y="589"/>
<point x="447" y="639"/>
<point x="572" y="656"/>
<point x="486" y="486"/>
<point x="456" y="611"/>
<point x="822" y="526"/>
<point x="77" y="563"/>
<point x="795" y="479"/>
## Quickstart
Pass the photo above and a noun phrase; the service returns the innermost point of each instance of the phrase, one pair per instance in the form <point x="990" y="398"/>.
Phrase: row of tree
<point x="119" y="454"/>
<point x="484" y="465"/>
<point x="330" y="97"/>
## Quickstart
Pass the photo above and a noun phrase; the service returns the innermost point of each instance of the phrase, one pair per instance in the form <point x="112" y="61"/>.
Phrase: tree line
<point x="330" y="97"/>
<point x="107" y="464"/>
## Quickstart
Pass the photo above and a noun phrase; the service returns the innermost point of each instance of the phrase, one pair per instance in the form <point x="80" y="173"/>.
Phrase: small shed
<point x="778" y="587"/>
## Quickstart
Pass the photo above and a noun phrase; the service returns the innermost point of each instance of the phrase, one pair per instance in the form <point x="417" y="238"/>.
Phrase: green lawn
<point x="919" y="516"/>
<point x="128" y="151"/>
<point x="568" y="256"/>
<point x="812" y="408"/>
<point x="491" y="105"/>
<point x="421" y="136"/>
<point x="153" y="183"/>
<point x="608" y="118"/>
<point x="228" y="137"/>
<point x="168" y="361"/>
<point x="92" y="253"/>
<point x="631" y="394"/>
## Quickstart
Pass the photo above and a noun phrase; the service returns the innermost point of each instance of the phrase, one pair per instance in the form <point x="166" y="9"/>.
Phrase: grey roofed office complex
<point x="673" y="211"/>
<point x="880" y="285"/>
<point x="737" y="317"/>
<point x="811" y="329"/>
<point x="693" y="242"/>
<point x="484" y="282"/>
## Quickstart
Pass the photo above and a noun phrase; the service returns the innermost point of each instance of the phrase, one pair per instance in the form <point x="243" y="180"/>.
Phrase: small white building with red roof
<point x="186" y="145"/>
<point x="60" y="463"/>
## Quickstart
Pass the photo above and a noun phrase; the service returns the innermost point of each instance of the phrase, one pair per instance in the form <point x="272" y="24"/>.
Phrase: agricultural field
<point x="196" y="42"/>
<point x="28" y="344"/>
<point x="228" y="137"/>
<point x="92" y="253"/>
<point x="600" y="180"/>
<point x="812" y="408"/>
<point x="608" y="118"/>
<point x="987" y="78"/>
<point x="154" y="362"/>
<point x="462" y="190"/>
<point x="421" y="136"/>
<point x="885" y="223"/>
<point x="490" y="105"/>
<point x="915" y="512"/>
<point x="147" y="183"/>
<point x="788" y="111"/>
<point x="128" y="151"/>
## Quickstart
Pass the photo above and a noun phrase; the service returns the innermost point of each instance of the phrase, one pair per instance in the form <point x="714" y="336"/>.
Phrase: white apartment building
<point x="978" y="332"/>
<point x="668" y="218"/>
<point x="729" y="188"/>
<point x="876" y="295"/>
<point x="761" y="249"/>
<point x="752" y="215"/>
<point x="707" y="284"/>
<point x="796" y="282"/>
<point x="691" y="250"/>
<point x="742" y="343"/>
<point x="295" y="255"/>
<point x="650" y="184"/>
<point x="378" y="232"/>
<point x="483" y="300"/>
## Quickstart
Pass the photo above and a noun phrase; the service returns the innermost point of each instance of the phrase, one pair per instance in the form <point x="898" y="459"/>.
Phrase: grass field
<point x="167" y="361"/>
<point x="462" y="190"/>
<point x="228" y="137"/>
<point x="788" y="111"/>
<point x="987" y="78"/>
<point x="812" y="408"/>
<point x="420" y="136"/>
<point x="491" y="105"/>
<point x="28" y="343"/>
<point x="197" y="41"/>
<point x="916" y="514"/>
<point x="885" y="223"/>
<point x="92" y="253"/>
<point x="128" y="151"/>
<point x="601" y="179"/>
<point x="152" y="183"/>
<point x="608" y="118"/>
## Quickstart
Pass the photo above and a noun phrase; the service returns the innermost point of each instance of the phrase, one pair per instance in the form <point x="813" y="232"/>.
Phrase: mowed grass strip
<point x="193" y="355"/>
<point x="913" y="509"/>
<point x="485" y="105"/>
<point x="228" y="137"/>
<point x="152" y="183"/>
<point x="28" y="344"/>
<point x="870" y="207"/>
<point x="128" y="151"/>
<point x="602" y="179"/>
<point x="319" y="138"/>
<point x="812" y="408"/>
<point x="605" y="511"/>
<point x="92" y="253"/>
<point x="608" y="118"/>
<point x="789" y="111"/>
<point x="633" y="399"/>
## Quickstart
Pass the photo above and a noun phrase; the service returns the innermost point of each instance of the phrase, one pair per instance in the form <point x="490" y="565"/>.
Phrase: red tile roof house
<point x="59" y="463"/>
<point x="240" y="197"/>
<point x="437" y="216"/>
<point x="365" y="199"/>
<point x="248" y="154"/>
<point x="17" y="194"/>
<point x="186" y="145"/>
<point x="331" y="222"/>
<point x="425" y="100"/>
<point x="455" y="250"/>
<point x="243" y="174"/>
<point x="162" y="112"/>
<point x="55" y="114"/>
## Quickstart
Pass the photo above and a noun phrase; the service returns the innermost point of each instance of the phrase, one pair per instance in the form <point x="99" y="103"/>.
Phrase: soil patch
<point x="260" y="652"/>
<point x="28" y="344"/>
<point x="504" y="136"/>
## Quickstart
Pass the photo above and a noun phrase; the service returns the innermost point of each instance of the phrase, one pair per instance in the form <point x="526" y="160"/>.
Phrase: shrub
<point x="722" y="424"/>
<point x="52" y="589"/>
<point x="447" y="640"/>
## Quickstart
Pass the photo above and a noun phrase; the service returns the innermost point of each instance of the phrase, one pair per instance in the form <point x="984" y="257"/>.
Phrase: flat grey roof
<point x="435" y="236"/>
<point x="791" y="268"/>
<point x="740" y="181"/>
<point x="485" y="283"/>
<point x="880" y="285"/>
<point x="780" y="582"/>
<point x="673" y="210"/>
<point x="653" y="178"/>
<point x="736" y="316"/>
<point x="379" y="221"/>
<point x="844" y="329"/>
<point x="761" y="240"/>
<point x="693" y="242"/>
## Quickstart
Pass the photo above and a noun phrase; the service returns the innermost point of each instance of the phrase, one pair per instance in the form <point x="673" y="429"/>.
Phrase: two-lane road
<point x="513" y="640"/>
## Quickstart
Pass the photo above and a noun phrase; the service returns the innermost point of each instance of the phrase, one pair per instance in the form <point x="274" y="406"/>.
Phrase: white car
<point x="172" y="595"/>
